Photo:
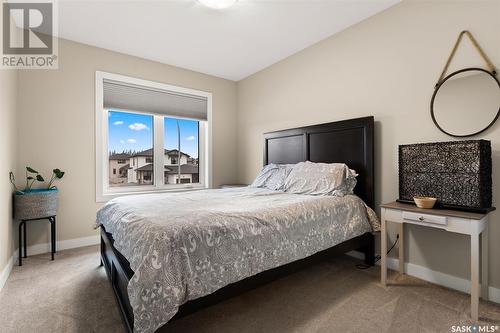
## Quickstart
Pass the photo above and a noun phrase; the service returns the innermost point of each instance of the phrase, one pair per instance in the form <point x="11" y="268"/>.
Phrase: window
<point x="181" y="146"/>
<point x="131" y="135"/>
<point x="151" y="136"/>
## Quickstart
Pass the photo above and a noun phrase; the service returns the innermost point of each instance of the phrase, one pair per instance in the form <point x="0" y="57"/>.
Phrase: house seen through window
<point x="181" y="166"/>
<point x="131" y="149"/>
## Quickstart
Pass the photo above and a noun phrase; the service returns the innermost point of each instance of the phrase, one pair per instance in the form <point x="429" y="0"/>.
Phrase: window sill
<point x="111" y="195"/>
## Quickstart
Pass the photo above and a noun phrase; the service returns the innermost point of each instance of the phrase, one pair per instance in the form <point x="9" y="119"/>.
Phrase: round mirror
<point x="466" y="102"/>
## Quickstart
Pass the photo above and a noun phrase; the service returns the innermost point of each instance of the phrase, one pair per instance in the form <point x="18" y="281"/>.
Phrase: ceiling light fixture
<point x="218" y="4"/>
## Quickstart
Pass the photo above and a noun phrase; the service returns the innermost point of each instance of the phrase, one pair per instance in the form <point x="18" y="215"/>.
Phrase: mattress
<point x="182" y="246"/>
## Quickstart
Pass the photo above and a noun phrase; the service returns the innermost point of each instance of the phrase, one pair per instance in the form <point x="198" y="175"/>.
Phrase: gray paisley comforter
<point x="183" y="246"/>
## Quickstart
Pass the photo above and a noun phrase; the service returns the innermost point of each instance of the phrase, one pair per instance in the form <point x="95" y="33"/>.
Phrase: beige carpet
<point x="72" y="294"/>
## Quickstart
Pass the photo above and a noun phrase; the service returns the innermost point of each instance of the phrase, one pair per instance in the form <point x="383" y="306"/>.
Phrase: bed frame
<point x="348" y="141"/>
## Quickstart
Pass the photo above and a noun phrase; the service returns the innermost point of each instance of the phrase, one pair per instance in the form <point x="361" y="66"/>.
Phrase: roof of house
<point x="147" y="167"/>
<point x="185" y="169"/>
<point x="175" y="152"/>
<point x="172" y="169"/>
<point x="119" y="156"/>
<point x="149" y="152"/>
<point x="125" y="167"/>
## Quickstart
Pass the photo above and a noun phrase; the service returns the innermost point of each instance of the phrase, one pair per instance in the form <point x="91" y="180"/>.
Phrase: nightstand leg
<point x="484" y="263"/>
<point x="21" y="243"/>
<point x="52" y="221"/>
<point x="401" y="248"/>
<point x="24" y="241"/>
<point x="474" y="276"/>
<point x="383" y="249"/>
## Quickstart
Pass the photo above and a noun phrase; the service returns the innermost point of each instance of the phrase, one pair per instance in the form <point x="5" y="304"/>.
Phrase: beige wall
<point x="385" y="66"/>
<point x="8" y="106"/>
<point x="56" y="126"/>
<point x="8" y="98"/>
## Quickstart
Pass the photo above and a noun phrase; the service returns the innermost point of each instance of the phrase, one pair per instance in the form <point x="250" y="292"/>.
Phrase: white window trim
<point x="103" y="191"/>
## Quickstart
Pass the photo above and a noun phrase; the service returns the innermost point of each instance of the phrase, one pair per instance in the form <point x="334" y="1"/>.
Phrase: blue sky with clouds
<point x="130" y="131"/>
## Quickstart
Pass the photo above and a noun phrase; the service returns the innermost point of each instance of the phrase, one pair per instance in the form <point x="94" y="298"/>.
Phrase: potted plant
<point x="34" y="203"/>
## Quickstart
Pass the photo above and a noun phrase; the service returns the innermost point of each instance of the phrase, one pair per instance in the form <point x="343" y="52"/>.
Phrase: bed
<point x="168" y="255"/>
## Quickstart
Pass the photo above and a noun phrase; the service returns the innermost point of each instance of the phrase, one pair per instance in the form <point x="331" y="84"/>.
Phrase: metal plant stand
<point x="22" y="236"/>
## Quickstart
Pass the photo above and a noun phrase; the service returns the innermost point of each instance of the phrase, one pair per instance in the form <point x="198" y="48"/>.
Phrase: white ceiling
<point x="231" y="44"/>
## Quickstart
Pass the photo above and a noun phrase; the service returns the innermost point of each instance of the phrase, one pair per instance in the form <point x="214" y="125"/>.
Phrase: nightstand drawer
<point x="424" y="218"/>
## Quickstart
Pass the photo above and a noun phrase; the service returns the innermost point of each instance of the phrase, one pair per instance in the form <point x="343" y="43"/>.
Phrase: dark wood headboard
<point x="347" y="141"/>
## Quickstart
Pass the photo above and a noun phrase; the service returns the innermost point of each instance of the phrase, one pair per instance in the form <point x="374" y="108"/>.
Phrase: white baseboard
<point x="61" y="245"/>
<point x="45" y="248"/>
<point x="432" y="276"/>
<point x="4" y="274"/>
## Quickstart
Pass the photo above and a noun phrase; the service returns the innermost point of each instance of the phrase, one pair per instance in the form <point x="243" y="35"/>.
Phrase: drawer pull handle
<point x="421" y="218"/>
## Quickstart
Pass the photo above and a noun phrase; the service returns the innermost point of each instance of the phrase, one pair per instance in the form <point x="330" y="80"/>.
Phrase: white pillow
<point x="272" y="176"/>
<point x="321" y="179"/>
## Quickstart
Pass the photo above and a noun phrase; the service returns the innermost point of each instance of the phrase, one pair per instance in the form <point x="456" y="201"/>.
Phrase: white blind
<point x="125" y="96"/>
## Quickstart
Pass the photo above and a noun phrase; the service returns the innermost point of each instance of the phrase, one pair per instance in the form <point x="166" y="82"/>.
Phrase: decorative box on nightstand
<point x="473" y="224"/>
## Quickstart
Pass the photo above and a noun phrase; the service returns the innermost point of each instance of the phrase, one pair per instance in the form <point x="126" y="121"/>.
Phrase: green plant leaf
<point x="31" y="170"/>
<point x="60" y="174"/>
<point x="13" y="180"/>
<point x="30" y="178"/>
<point x="39" y="178"/>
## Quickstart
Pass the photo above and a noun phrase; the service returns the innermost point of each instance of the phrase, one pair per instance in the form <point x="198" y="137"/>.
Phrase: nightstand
<point x="22" y="240"/>
<point x="232" y="185"/>
<point x="473" y="224"/>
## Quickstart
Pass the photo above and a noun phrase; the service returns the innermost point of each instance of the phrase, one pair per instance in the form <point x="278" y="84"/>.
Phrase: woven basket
<point x="457" y="173"/>
<point x="35" y="204"/>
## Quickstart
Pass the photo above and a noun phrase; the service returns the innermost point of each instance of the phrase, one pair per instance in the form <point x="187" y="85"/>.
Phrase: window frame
<point x="104" y="192"/>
